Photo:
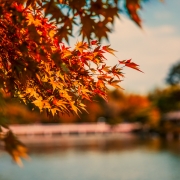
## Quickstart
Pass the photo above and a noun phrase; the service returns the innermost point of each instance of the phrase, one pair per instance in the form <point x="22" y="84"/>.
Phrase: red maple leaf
<point x="130" y="64"/>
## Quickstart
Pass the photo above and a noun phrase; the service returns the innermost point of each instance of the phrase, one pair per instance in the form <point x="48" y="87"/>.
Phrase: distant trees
<point x="168" y="99"/>
<point x="173" y="77"/>
<point x="124" y="107"/>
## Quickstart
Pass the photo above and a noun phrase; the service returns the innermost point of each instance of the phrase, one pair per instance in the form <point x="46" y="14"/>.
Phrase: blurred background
<point x="150" y="105"/>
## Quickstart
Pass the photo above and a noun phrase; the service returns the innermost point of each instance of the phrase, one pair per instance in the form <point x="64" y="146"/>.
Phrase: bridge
<point x="62" y="129"/>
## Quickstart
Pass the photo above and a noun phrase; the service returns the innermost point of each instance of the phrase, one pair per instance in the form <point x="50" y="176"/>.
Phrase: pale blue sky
<point x="155" y="48"/>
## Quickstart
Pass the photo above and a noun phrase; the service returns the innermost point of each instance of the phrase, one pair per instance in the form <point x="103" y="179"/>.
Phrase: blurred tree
<point x="124" y="107"/>
<point x="167" y="99"/>
<point x="115" y="107"/>
<point x="140" y="109"/>
<point x="173" y="77"/>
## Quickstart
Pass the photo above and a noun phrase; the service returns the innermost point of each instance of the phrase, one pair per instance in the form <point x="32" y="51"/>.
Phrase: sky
<point x="155" y="47"/>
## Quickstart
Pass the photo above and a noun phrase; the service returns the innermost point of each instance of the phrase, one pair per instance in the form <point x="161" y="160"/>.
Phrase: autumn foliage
<point x="37" y="67"/>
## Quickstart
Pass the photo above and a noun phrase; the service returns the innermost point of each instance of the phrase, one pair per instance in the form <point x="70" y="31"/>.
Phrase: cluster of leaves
<point x="38" y="68"/>
<point x="95" y="17"/>
<point x="15" y="148"/>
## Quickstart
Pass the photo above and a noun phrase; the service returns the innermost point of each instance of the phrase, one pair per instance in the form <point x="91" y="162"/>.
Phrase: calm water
<point x="116" y="157"/>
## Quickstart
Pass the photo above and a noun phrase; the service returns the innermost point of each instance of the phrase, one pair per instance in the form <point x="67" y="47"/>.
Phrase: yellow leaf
<point x="82" y="106"/>
<point x="80" y="46"/>
<point x="39" y="103"/>
<point x="60" y="75"/>
<point x="31" y="20"/>
<point x="100" y="84"/>
<point x="54" y="111"/>
<point x="74" y="108"/>
<point x="46" y="104"/>
<point x="62" y="104"/>
<point x="52" y="32"/>
<point x="66" y="53"/>
<point x="109" y="50"/>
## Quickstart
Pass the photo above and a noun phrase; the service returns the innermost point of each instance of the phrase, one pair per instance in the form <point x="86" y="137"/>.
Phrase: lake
<point x="95" y="157"/>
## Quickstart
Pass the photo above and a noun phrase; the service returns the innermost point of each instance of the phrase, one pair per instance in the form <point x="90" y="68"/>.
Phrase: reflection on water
<point x="102" y="143"/>
<point x="96" y="157"/>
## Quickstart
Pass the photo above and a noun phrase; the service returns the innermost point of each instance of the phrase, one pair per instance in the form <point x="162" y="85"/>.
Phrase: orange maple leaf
<point x="109" y="50"/>
<point x="80" y="46"/>
<point x="115" y="83"/>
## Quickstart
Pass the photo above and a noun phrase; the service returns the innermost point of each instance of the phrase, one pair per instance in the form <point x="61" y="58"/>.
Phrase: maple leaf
<point x="130" y="64"/>
<point x="94" y="42"/>
<point x="15" y="148"/>
<point x="133" y="6"/>
<point x="19" y="7"/>
<point x="80" y="46"/>
<point x="39" y="103"/>
<point x="109" y="50"/>
<point x="38" y="78"/>
<point x="74" y="108"/>
<point x="115" y="83"/>
<point x="66" y="53"/>
<point x="83" y="107"/>
<point x="52" y="33"/>
<point x="104" y="77"/>
<point x="100" y="84"/>
<point x="32" y="20"/>
<point x="54" y="111"/>
<point x="105" y="68"/>
<point x="46" y="104"/>
<point x="117" y="72"/>
<point x="101" y="94"/>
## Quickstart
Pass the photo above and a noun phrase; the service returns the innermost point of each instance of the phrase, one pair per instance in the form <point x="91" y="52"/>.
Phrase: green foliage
<point x="167" y="99"/>
<point x="173" y="77"/>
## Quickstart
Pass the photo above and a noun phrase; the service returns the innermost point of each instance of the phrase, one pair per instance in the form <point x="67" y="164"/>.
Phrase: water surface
<point x="107" y="157"/>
